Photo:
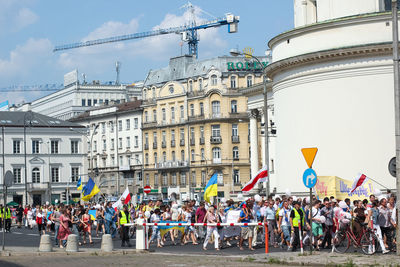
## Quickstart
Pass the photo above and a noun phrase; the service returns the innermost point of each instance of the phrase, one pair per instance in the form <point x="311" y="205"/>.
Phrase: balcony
<point x="195" y="118"/>
<point x="201" y="140"/>
<point x="154" y="145"/>
<point x="172" y="143"/>
<point x="146" y="146"/>
<point x="163" y="144"/>
<point x="192" y="142"/>
<point x="215" y="139"/>
<point x="235" y="139"/>
<point x="150" y="124"/>
<point x="182" y="142"/>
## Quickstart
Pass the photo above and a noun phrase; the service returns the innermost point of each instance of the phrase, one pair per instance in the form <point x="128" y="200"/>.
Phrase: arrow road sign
<point x="309" y="178"/>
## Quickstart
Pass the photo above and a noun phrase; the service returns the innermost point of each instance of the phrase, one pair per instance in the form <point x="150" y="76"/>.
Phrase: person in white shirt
<point x="284" y="223"/>
<point x="155" y="218"/>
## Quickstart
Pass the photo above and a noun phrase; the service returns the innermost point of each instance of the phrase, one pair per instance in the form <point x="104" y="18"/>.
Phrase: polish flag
<point x="359" y="181"/>
<point x="261" y="176"/>
<point x="124" y="199"/>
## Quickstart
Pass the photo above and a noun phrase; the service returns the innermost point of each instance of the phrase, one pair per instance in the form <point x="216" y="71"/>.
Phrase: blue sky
<point x="29" y="30"/>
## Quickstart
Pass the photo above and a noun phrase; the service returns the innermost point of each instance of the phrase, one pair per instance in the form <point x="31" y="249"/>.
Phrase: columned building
<point x="332" y="82"/>
<point x="195" y="124"/>
<point x="46" y="161"/>
<point x="115" y="146"/>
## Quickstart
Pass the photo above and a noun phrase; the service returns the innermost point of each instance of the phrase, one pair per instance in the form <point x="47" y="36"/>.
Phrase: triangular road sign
<point x="309" y="155"/>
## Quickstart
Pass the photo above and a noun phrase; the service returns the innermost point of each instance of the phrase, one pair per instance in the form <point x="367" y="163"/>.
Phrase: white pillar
<point x="253" y="142"/>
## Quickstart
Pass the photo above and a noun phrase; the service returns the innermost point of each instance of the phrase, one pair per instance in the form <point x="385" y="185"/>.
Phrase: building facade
<point x="195" y="124"/>
<point x="54" y="157"/>
<point x="332" y="82"/>
<point x="115" y="153"/>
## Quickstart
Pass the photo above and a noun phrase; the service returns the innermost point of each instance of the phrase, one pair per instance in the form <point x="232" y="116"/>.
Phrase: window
<point x="155" y="158"/>
<point x="112" y="161"/>
<point x="146" y="116"/>
<point x="183" y="155"/>
<point x="235" y="152"/>
<point x="112" y="143"/>
<point x="164" y="156"/>
<point x="74" y="147"/>
<point x="128" y="142"/>
<point x="89" y="102"/>
<point x="173" y="156"/>
<point x="183" y="178"/>
<point x="104" y="144"/>
<point x="172" y="135"/>
<point x="146" y="138"/>
<point x="103" y="127"/>
<point x="120" y="143"/>
<point x="192" y="154"/>
<point x="75" y="174"/>
<point x="17" y="175"/>
<point x="201" y="131"/>
<point x="233" y="106"/>
<point x="55" y="174"/>
<point x="111" y="125"/>
<point x="16" y="146"/>
<point x="83" y="102"/>
<point x="173" y="179"/>
<point x="94" y="102"/>
<point x="119" y="125"/>
<point x="35" y="175"/>
<point x="201" y="109"/>
<point x="193" y="179"/>
<point x="128" y="124"/>
<point x="164" y="137"/>
<point x="54" y="147"/>
<point x="200" y="84"/>
<point x="216" y="155"/>
<point x="249" y="81"/>
<point x="146" y="158"/>
<point x="147" y="179"/>
<point x="192" y="135"/>
<point x="155" y="138"/>
<point x="136" y="141"/>
<point x="215" y="130"/>
<point x="136" y="123"/>
<point x="155" y="179"/>
<point x="144" y="94"/>
<point x="216" y="109"/>
<point x="220" y="178"/>
<point x="154" y="115"/>
<point x="121" y="161"/>
<point x="172" y="114"/>
<point x="153" y="91"/>
<point x="182" y="133"/>
<point x="233" y="81"/>
<point x="164" y="179"/>
<point x="234" y="130"/>
<point x="202" y="154"/>
<point x="94" y="146"/>
<point x="182" y="113"/>
<point x="106" y="101"/>
<point x="35" y="146"/>
<point x="236" y="177"/>
<point x="191" y="110"/>
<point x="190" y="86"/>
<point x="203" y="178"/>
<point x="136" y="159"/>
<point x="164" y="115"/>
<point x="214" y="79"/>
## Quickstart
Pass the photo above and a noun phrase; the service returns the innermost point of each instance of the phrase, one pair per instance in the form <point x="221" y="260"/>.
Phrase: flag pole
<point x="379" y="183"/>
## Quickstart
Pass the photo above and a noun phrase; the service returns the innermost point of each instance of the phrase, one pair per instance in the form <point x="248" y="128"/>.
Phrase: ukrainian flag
<point x="89" y="190"/>
<point x="211" y="189"/>
<point x="79" y="184"/>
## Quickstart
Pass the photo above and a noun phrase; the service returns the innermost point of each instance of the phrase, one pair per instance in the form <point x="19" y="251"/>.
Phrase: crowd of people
<point x="287" y="218"/>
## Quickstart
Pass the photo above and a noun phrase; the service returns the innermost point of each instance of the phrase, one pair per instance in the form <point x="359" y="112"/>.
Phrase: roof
<point x="32" y="119"/>
<point x="118" y="108"/>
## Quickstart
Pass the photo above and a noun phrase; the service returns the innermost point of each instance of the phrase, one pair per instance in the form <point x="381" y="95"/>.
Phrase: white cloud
<point x="15" y="15"/>
<point x="24" y="18"/>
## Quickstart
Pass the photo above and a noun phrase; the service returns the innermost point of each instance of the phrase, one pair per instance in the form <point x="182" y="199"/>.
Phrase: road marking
<point x="33" y="234"/>
<point x="17" y="233"/>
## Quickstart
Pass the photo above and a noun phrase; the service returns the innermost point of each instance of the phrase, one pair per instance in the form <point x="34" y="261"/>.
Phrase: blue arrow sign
<point x="309" y="178"/>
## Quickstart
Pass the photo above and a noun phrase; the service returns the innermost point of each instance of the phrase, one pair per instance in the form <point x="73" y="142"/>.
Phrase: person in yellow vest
<point x="123" y="219"/>
<point x="7" y="217"/>
<point x="1" y="217"/>
<point x="296" y="220"/>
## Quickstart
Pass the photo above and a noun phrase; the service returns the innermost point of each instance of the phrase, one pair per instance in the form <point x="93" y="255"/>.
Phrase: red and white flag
<point x="261" y="176"/>
<point x="359" y="181"/>
<point x="124" y="199"/>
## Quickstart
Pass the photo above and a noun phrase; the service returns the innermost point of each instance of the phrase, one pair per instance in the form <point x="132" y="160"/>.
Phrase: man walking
<point x="296" y="221"/>
<point x="109" y="216"/>
<point x="123" y="219"/>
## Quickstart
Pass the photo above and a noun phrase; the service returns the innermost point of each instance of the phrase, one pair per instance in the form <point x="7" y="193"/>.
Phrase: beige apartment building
<point x="195" y="124"/>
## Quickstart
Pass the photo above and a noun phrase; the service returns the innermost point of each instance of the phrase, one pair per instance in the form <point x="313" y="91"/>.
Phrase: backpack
<point x="381" y="220"/>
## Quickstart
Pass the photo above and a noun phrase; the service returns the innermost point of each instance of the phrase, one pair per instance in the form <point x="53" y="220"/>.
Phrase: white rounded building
<point x="332" y="82"/>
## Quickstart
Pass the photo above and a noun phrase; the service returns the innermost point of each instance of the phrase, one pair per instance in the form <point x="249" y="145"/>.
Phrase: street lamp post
<point x="202" y="157"/>
<point x="49" y="154"/>
<point x="28" y="115"/>
<point x="235" y="52"/>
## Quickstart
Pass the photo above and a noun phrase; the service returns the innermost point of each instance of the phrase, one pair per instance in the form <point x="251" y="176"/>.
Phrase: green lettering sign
<point x="231" y="66"/>
<point x="239" y="66"/>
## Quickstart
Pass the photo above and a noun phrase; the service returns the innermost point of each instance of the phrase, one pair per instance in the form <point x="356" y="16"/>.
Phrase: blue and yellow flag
<point x="92" y="214"/>
<point x="89" y="190"/>
<point x="79" y="184"/>
<point x="165" y="229"/>
<point x="211" y="189"/>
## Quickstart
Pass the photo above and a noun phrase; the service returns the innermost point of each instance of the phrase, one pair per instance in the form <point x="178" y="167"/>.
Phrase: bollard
<point x="106" y="243"/>
<point x="266" y="237"/>
<point x="72" y="243"/>
<point x="45" y="244"/>
<point x="141" y="236"/>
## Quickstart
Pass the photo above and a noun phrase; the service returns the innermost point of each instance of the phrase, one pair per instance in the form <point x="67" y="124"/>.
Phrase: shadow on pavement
<point x="9" y="264"/>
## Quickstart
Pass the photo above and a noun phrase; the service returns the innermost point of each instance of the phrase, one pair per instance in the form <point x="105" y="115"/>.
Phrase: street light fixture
<point x="27" y="116"/>
<point x="235" y="53"/>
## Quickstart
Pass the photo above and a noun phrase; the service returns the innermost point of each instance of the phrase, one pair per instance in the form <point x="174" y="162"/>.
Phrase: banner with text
<point x="328" y="186"/>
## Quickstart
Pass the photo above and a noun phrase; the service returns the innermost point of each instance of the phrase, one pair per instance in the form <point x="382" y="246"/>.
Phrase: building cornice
<point x="367" y="50"/>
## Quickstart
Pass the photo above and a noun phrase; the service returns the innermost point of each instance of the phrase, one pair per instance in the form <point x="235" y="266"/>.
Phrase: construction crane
<point x="188" y="32"/>
<point x="31" y="88"/>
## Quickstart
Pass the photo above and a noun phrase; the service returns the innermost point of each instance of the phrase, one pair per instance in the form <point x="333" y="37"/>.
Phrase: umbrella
<point x="12" y="203"/>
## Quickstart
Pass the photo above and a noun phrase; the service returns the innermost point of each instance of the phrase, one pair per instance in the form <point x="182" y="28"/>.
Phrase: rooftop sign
<point x="248" y="65"/>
